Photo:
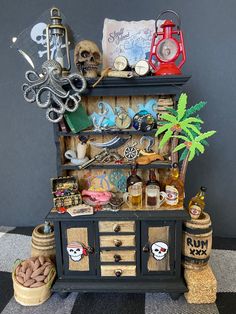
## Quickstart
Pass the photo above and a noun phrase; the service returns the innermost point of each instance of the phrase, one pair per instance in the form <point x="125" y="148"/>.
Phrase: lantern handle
<point x="169" y="11"/>
<point x="55" y="12"/>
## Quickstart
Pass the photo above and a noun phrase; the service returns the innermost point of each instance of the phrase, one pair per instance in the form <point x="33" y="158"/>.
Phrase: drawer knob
<point x="118" y="272"/>
<point x="146" y="248"/>
<point x="117" y="258"/>
<point x="117" y="243"/>
<point x="116" y="228"/>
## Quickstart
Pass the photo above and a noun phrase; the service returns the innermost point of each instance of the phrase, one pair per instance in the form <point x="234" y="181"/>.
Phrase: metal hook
<point x="150" y="144"/>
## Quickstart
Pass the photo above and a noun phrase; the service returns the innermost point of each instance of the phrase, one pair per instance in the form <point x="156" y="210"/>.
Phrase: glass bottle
<point x="133" y="178"/>
<point x="174" y="188"/>
<point x="152" y="178"/>
<point x="197" y="204"/>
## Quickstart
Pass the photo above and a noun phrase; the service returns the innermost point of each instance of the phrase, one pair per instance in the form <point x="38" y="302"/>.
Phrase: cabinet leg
<point x="63" y="295"/>
<point x="175" y="296"/>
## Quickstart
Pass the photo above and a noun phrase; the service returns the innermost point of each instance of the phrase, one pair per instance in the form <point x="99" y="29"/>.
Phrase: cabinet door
<point x="78" y="248"/>
<point x="158" y="247"/>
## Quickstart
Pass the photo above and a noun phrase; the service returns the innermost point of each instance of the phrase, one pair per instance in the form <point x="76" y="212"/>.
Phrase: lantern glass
<point x="167" y="50"/>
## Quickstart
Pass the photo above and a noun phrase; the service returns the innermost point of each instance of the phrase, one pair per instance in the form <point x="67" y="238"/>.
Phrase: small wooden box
<point x="202" y="286"/>
<point x="67" y="201"/>
<point x="64" y="186"/>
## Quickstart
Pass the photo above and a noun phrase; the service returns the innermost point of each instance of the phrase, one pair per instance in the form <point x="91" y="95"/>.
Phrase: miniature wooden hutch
<point x="120" y="259"/>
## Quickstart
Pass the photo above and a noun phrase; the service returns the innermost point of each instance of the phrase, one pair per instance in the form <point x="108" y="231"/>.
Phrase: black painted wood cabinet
<point x="121" y="254"/>
<point x="124" y="251"/>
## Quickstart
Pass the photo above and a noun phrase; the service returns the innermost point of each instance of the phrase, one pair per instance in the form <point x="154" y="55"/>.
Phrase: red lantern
<point x="166" y="49"/>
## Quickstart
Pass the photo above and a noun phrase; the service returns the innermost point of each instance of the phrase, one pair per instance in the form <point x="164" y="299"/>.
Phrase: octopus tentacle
<point x="75" y="100"/>
<point x="58" y="90"/>
<point x="46" y="103"/>
<point x="55" y="112"/>
<point x="27" y="89"/>
<point x="74" y="76"/>
<point x="30" y="89"/>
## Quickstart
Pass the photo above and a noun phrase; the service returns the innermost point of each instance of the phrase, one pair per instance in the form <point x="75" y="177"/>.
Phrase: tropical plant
<point x="184" y="124"/>
<point x="179" y="120"/>
<point x="193" y="145"/>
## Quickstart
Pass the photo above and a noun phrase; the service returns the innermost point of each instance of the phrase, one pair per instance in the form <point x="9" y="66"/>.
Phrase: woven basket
<point x="32" y="296"/>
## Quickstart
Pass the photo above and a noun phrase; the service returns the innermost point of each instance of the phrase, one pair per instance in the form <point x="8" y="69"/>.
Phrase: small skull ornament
<point x="87" y="58"/>
<point x="159" y="250"/>
<point x="76" y="251"/>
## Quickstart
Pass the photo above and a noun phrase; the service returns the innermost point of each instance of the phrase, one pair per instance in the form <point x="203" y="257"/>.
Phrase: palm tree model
<point x="181" y="125"/>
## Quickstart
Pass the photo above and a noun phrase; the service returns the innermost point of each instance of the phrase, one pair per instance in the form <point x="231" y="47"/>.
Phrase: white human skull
<point x="87" y="58"/>
<point x="38" y="34"/>
<point x="75" y="251"/>
<point x="159" y="250"/>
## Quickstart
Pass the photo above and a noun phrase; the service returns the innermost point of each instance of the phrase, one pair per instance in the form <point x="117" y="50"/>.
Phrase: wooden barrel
<point x="197" y="242"/>
<point x="43" y="244"/>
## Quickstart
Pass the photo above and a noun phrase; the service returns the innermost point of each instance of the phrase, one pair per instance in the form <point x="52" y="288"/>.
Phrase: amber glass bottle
<point x="174" y="188"/>
<point x="133" y="178"/>
<point x="152" y="178"/>
<point x="197" y="204"/>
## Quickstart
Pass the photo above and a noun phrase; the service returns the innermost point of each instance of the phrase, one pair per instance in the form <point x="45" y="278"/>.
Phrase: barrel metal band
<point x="195" y="260"/>
<point x="197" y="231"/>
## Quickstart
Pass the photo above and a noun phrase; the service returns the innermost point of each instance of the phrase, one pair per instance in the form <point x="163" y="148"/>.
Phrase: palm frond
<point x="172" y="111"/>
<point x="184" y="154"/>
<point x="181" y="107"/>
<point x="168" y="117"/>
<point x="162" y="129"/>
<point x="192" y="120"/>
<point x="200" y="147"/>
<point x="182" y="137"/>
<point x="204" y="142"/>
<point x="193" y="127"/>
<point x="187" y="131"/>
<point x="204" y="135"/>
<point x="165" y="138"/>
<point x="192" y="153"/>
<point x="179" y="147"/>
<point x="192" y="110"/>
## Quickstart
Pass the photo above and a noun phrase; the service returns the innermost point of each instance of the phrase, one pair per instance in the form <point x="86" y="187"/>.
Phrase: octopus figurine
<point x="52" y="91"/>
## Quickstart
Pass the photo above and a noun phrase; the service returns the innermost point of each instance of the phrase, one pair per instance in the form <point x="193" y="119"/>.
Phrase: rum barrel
<point x="197" y="242"/>
<point x="43" y="243"/>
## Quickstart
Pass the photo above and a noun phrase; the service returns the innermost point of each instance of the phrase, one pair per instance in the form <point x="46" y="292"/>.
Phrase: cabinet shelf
<point x="108" y="132"/>
<point x="149" y="85"/>
<point x="156" y="165"/>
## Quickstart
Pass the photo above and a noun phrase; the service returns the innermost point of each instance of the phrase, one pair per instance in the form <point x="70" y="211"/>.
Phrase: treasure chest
<point x="65" y="192"/>
<point x="64" y="186"/>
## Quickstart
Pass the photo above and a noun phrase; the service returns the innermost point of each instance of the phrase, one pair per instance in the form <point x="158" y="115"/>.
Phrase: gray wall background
<point x="28" y="156"/>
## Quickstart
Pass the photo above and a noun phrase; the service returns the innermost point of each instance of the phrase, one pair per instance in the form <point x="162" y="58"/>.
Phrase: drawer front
<point x="117" y="241"/>
<point x="117" y="256"/>
<point x="118" y="271"/>
<point x="116" y="226"/>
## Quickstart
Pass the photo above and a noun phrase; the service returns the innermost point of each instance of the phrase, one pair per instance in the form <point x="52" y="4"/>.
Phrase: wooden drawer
<point x="117" y="256"/>
<point x="116" y="226"/>
<point x="117" y="241"/>
<point x="118" y="270"/>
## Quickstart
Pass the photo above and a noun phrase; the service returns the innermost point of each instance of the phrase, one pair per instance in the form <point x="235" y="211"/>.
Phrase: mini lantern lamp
<point x="57" y="39"/>
<point x="166" y="47"/>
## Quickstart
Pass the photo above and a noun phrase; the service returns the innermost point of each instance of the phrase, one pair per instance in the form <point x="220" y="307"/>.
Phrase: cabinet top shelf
<point x="149" y="85"/>
<point x="176" y="214"/>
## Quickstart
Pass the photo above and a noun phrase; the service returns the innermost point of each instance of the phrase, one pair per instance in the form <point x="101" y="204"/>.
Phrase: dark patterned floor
<point x="15" y="243"/>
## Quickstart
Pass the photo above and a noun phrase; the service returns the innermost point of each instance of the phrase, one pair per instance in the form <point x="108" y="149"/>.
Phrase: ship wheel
<point x="130" y="153"/>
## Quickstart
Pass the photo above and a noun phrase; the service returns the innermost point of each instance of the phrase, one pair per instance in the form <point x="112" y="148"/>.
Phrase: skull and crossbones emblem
<point x="159" y="250"/>
<point x="76" y="251"/>
<point x="38" y="35"/>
